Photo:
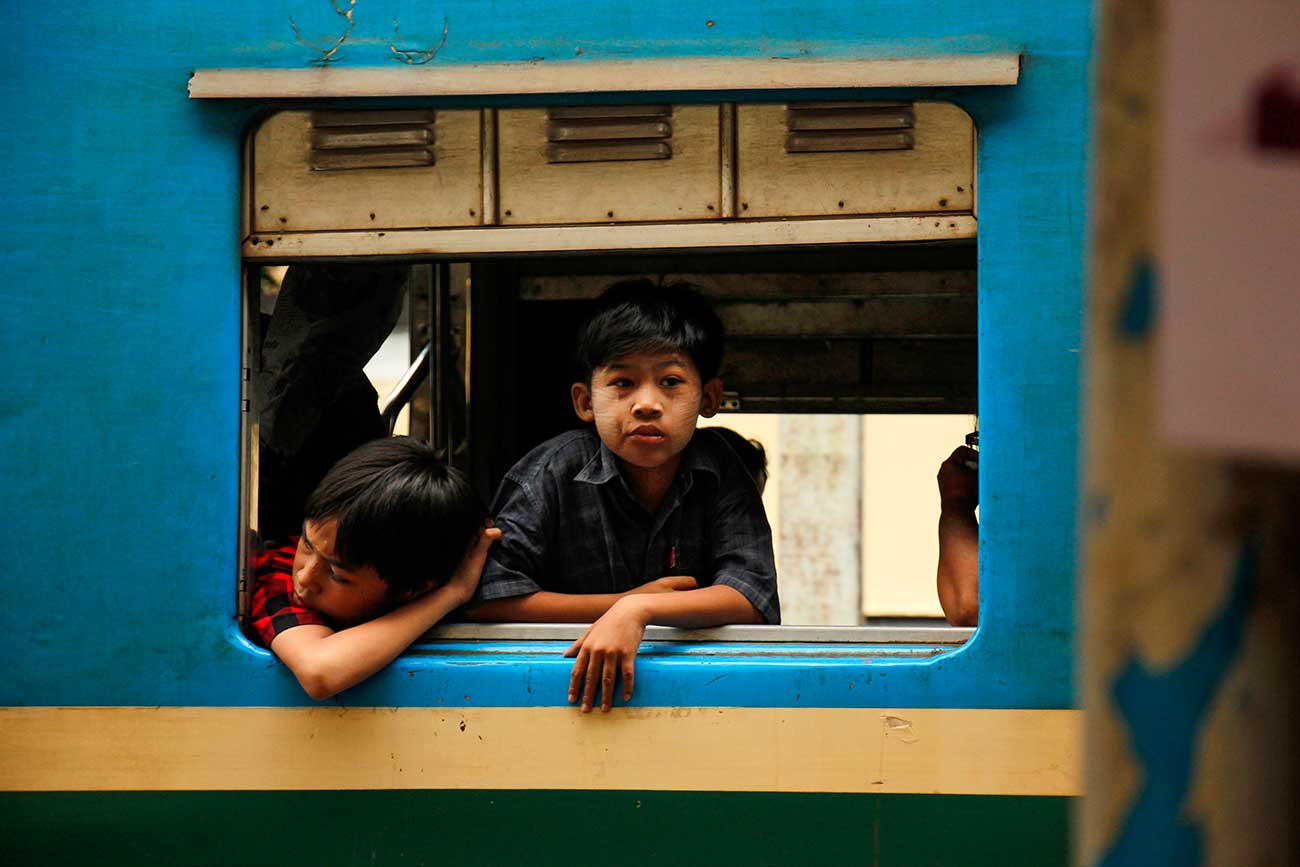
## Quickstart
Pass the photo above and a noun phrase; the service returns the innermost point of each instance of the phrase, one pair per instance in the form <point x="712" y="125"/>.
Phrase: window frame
<point x="503" y="242"/>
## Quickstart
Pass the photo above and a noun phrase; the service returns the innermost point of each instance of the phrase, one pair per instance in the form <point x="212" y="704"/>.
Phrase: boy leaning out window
<point x="636" y="518"/>
<point x="392" y="541"/>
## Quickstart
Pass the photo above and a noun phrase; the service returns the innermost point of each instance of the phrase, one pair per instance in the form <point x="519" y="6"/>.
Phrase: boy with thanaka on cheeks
<point x="636" y="518"/>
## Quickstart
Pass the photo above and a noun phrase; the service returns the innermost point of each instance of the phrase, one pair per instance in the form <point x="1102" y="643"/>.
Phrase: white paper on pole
<point x="1230" y="229"/>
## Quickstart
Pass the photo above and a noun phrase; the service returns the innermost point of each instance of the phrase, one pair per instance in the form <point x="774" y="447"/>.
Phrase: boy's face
<point x="645" y="405"/>
<point x="323" y="583"/>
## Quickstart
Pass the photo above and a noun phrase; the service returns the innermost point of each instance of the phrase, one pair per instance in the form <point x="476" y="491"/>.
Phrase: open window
<point x="836" y="240"/>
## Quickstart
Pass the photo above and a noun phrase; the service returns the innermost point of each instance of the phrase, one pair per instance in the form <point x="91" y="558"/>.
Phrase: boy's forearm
<point x="545" y="607"/>
<point x="716" y="605"/>
<point x="328" y="663"/>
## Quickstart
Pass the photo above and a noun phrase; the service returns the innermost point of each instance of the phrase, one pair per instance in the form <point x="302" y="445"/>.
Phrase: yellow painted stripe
<point x="900" y="750"/>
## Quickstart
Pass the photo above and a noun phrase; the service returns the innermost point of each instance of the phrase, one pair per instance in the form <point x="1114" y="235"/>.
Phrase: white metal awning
<point x="630" y="76"/>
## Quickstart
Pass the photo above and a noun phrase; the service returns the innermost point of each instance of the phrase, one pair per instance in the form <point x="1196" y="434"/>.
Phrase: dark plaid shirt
<point x="571" y="525"/>
<point x="270" y="611"/>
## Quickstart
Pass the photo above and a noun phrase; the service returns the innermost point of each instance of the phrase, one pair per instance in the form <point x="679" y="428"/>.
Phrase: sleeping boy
<point x="636" y="518"/>
<point x="392" y="540"/>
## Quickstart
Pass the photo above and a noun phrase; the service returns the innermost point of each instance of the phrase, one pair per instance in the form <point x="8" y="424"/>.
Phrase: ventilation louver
<point x="609" y="133"/>
<point x="837" y="127"/>
<point x="349" y="140"/>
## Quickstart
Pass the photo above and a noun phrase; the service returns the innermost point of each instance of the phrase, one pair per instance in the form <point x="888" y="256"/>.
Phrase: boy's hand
<point x="959" y="485"/>
<point x="605" y="650"/>
<point x="666" y="584"/>
<point x="464" y="581"/>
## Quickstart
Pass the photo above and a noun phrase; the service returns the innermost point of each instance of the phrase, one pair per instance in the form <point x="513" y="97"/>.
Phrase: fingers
<point x="961" y="454"/>
<point x="629" y="674"/>
<point x="609" y="673"/>
<point x="595" y="662"/>
<point x="575" y="676"/>
<point x="474" y="559"/>
<point x="599" y="670"/>
<point x="959" y="466"/>
<point x="682" y="582"/>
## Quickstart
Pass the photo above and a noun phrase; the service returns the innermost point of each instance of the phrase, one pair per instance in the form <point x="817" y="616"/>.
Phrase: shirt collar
<point x="603" y="466"/>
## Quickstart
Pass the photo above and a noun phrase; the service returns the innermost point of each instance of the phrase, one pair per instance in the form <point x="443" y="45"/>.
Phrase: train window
<point x="836" y="240"/>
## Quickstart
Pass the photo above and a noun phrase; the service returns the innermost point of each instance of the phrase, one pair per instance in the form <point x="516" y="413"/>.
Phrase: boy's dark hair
<point x="750" y="451"/>
<point x="639" y="316"/>
<point x="401" y="510"/>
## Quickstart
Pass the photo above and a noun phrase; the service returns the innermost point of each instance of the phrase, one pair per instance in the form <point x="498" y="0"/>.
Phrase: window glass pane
<point x="854" y="509"/>
<point x="900" y="510"/>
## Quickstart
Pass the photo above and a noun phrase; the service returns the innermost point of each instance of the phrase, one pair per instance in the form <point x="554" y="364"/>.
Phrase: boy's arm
<point x="741" y="538"/>
<point x="544" y="606"/>
<point x="327" y="662"/>
<point x="959" y="558"/>
<point x="741" y="589"/>
<point x="511" y="574"/>
<point x="608" y="648"/>
<point x="510" y="590"/>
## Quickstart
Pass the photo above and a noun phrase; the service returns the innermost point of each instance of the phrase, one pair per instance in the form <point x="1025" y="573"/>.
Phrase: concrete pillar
<point x="821" y="519"/>
<point x="1188" y="582"/>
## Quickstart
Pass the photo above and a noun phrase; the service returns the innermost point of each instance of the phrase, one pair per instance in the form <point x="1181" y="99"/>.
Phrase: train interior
<point x="854" y="364"/>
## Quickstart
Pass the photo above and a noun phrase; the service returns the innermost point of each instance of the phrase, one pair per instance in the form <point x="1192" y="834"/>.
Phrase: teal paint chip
<point x="1141" y="302"/>
<point x="1164" y="712"/>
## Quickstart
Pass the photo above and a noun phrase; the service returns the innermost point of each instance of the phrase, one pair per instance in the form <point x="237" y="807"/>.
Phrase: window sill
<point x="900" y="642"/>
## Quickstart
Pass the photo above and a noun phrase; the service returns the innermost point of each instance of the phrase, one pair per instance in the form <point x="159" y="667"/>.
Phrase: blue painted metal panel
<point x="118" y="405"/>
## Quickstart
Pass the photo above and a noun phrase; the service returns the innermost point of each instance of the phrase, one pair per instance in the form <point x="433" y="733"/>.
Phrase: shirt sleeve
<point x="270" y="611"/>
<point x="515" y="562"/>
<point x="742" y="543"/>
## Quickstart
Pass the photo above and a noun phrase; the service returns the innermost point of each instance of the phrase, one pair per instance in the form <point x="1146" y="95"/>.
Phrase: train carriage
<point x="886" y="202"/>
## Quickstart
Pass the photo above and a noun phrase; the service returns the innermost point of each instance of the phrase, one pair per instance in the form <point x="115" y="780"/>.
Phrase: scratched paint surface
<point x="118" y="404"/>
<point x="1163" y="711"/>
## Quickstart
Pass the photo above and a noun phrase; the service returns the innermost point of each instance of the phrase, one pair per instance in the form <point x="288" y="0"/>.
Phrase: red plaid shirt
<point x="271" y="611"/>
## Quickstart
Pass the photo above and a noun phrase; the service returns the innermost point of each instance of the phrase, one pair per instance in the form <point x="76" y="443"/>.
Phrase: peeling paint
<point x="1164" y="710"/>
<point x="329" y="52"/>
<point x="1138" y="312"/>
<point x="415" y="56"/>
<point x="900" y="728"/>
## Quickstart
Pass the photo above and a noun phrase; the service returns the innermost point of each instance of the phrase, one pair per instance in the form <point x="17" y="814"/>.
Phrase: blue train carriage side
<point x="794" y="162"/>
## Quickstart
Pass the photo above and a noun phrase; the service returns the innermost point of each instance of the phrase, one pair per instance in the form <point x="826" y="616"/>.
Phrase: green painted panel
<point x="532" y="827"/>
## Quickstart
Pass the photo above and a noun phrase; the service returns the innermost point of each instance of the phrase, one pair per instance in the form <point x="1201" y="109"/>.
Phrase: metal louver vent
<point x="609" y="133"/>
<point x="346" y="140"/>
<point x="830" y="127"/>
